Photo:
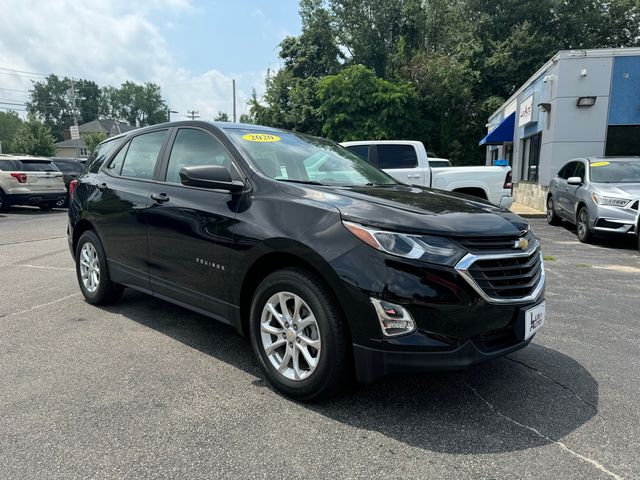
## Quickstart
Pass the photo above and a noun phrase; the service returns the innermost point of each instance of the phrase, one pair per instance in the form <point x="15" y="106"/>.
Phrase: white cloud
<point x="108" y="42"/>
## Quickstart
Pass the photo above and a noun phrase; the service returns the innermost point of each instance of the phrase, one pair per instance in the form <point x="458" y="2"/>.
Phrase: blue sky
<point x="191" y="48"/>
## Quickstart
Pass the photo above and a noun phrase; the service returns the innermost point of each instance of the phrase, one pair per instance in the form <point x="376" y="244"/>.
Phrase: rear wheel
<point x="299" y="336"/>
<point x="93" y="272"/>
<point x="582" y="226"/>
<point x="552" y="217"/>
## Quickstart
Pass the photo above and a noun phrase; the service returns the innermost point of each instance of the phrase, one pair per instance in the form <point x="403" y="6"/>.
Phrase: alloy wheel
<point x="582" y="223"/>
<point x="89" y="267"/>
<point x="290" y="336"/>
<point x="550" y="212"/>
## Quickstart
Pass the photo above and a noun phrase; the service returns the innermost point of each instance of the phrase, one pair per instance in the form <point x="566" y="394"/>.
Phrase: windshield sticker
<point x="260" y="137"/>
<point x="599" y="164"/>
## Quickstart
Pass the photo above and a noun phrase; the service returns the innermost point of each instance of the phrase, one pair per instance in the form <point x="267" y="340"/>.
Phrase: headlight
<point x="424" y="247"/>
<point x="609" y="201"/>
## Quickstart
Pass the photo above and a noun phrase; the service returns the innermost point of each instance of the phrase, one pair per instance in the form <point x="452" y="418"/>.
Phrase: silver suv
<point x="28" y="180"/>
<point x="600" y="195"/>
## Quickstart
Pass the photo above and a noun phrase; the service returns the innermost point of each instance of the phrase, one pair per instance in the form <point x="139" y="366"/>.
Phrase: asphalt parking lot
<point x="144" y="389"/>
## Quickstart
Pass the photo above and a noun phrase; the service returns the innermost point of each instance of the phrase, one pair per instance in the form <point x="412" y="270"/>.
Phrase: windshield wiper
<point x="306" y="182"/>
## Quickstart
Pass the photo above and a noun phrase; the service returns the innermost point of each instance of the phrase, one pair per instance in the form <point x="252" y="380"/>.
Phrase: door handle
<point x="160" y="197"/>
<point x="102" y="186"/>
<point x="415" y="175"/>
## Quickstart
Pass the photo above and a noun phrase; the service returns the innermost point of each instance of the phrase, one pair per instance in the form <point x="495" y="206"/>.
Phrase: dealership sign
<point x="526" y="112"/>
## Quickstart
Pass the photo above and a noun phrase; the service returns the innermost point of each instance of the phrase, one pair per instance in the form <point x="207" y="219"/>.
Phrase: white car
<point x="26" y="180"/>
<point x="408" y="162"/>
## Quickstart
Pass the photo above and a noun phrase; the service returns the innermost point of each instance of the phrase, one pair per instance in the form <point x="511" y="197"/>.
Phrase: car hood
<point x="415" y="210"/>
<point x="627" y="190"/>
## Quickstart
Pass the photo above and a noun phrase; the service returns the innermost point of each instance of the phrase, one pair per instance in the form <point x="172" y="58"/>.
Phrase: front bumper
<point x="456" y="327"/>
<point x="613" y="220"/>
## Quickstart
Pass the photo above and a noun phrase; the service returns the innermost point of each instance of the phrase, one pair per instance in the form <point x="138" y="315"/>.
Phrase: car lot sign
<point x="75" y="132"/>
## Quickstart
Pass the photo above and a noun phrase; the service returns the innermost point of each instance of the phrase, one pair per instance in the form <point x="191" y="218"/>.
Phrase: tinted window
<point x="100" y="154"/>
<point x="360" y="150"/>
<point x="35" y="166"/>
<point x="566" y="171"/>
<point x="140" y="161"/>
<point x="623" y="140"/>
<point x="68" y="166"/>
<point x="115" y="166"/>
<point x="579" y="170"/>
<point x="397" y="156"/>
<point x="8" y="165"/>
<point x="439" y="163"/>
<point x="195" y="147"/>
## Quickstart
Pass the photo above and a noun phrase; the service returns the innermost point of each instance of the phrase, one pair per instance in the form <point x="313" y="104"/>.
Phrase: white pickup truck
<point x="408" y="162"/>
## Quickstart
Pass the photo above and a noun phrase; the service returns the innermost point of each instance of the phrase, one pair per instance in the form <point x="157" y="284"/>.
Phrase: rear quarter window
<point x="397" y="156"/>
<point x="9" y="165"/>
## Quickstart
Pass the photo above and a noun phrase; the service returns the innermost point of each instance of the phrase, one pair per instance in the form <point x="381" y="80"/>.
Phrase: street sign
<point x="75" y="132"/>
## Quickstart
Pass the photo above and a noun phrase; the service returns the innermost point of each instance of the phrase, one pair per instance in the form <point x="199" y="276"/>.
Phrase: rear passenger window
<point x="361" y="150"/>
<point x="194" y="147"/>
<point x="142" y="154"/>
<point x="397" y="156"/>
<point x="99" y="155"/>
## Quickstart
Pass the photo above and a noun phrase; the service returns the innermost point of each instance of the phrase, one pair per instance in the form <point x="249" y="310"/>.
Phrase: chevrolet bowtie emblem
<point x="521" y="243"/>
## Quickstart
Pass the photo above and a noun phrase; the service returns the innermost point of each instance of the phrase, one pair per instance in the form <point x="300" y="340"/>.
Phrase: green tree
<point x="91" y="140"/>
<point x="138" y="105"/>
<point x="246" y="118"/>
<point x="221" y="117"/>
<point x="9" y="124"/>
<point x="34" y="138"/>
<point x="356" y="104"/>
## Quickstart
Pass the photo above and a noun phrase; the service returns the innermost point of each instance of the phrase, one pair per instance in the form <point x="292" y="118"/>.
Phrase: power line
<point x="193" y="114"/>
<point x="22" y="71"/>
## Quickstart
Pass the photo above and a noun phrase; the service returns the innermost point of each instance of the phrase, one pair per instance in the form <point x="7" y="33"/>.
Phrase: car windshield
<point x="627" y="171"/>
<point x="295" y="157"/>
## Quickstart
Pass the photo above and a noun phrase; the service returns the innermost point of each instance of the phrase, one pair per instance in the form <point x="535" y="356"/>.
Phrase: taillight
<point x="72" y="186"/>
<point x="508" y="183"/>
<point x="20" y="177"/>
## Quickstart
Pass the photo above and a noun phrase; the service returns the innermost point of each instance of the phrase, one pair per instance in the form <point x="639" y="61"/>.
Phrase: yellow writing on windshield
<point x="260" y="137"/>
<point x="599" y="164"/>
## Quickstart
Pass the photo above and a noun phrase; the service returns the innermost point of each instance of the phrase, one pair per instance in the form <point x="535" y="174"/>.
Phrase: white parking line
<point x="39" y="266"/>
<point x="39" y="306"/>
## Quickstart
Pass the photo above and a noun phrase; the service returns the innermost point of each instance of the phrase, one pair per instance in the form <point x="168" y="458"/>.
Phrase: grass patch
<point x="549" y="258"/>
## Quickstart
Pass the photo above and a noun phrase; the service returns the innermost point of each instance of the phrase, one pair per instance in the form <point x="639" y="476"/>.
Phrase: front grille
<point x="508" y="278"/>
<point x="488" y="244"/>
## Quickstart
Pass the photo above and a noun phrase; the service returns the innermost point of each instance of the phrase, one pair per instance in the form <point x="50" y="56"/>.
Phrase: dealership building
<point x="580" y="103"/>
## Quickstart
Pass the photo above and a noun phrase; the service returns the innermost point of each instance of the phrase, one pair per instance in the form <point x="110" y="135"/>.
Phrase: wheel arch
<point x="274" y="260"/>
<point x="82" y="226"/>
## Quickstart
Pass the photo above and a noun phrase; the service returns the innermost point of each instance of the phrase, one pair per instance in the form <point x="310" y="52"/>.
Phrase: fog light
<point x="394" y="319"/>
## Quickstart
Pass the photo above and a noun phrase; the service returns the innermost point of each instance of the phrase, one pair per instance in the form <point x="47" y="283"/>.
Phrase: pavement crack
<point x="537" y="432"/>
<point x="560" y="384"/>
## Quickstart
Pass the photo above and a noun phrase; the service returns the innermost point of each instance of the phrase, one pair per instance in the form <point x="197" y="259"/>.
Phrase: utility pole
<point x="193" y="114"/>
<point x="75" y="118"/>
<point x="234" y="100"/>
<point x="169" y="112"/>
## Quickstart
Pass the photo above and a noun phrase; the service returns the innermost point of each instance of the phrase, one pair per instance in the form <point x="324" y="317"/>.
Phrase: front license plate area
<point x="534" y="318"/>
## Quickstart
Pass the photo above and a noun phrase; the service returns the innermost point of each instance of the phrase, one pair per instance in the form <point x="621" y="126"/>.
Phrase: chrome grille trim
<point x="463" y="266"/>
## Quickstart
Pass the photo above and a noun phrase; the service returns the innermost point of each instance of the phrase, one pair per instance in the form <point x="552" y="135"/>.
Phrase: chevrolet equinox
<point x="334" y="269"/>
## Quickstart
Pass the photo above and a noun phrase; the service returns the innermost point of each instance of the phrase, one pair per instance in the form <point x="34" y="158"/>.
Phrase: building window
<point x="508" y="152"/>
<point x="531" y="158"/>
<point x="84" y="152"/>
<point x="623" y="140"/>
<point x="494" y="155"/>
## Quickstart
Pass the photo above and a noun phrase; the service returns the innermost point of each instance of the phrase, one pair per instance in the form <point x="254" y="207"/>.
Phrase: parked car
<point x="408" y="162"/>
<point x="30" y="181"/>
<point x="70" y="168"/>
<point x="330" y="265"/>
<point x="600" y="195"/>
<point x="439" y="163"/>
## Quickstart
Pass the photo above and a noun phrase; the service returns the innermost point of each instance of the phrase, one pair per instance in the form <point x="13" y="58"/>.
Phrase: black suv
<point x="332" y="267"/>
<point x="70" y="168"/>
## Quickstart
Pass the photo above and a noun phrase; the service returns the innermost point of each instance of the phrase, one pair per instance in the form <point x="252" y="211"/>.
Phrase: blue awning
<point x="502" y="133"/>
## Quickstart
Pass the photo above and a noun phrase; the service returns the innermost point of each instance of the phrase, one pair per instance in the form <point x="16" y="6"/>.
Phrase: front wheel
<point x="299" y="335"/>
<point x="552" y="216"/>
<point x="582" y="226"/>
<point x="93" y="272"/>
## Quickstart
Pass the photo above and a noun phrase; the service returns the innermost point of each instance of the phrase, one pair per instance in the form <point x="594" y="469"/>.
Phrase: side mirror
<point x="574" y="181"/>
<point x="214" y="177"/>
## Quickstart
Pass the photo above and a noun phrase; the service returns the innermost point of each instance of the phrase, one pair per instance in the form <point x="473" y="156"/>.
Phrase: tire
<point x="90" y="258"/>
<point x="582" y="226"/>
<point x="330" y="367"/>
<point x="552" y="216"/>
<point x="4" y="204"/>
